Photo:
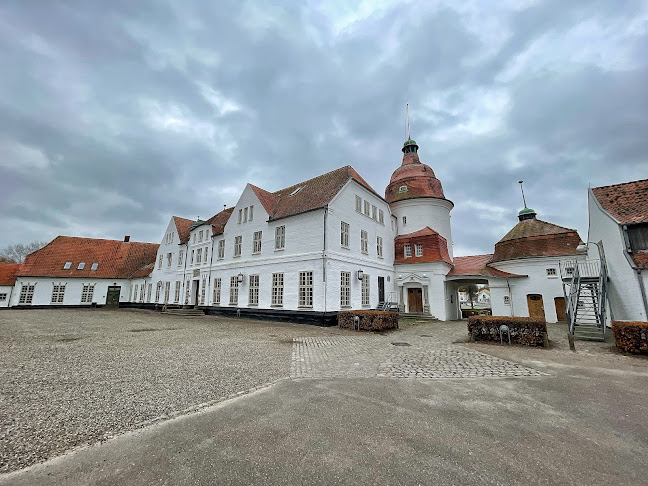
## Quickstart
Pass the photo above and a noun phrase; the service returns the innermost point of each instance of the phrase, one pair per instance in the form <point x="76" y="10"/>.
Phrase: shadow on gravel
<point x="150" y="329"/>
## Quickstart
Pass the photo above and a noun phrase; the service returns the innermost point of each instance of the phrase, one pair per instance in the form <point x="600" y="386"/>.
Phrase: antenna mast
<point x="522" y="189"/>
<point x="408" y="124"/>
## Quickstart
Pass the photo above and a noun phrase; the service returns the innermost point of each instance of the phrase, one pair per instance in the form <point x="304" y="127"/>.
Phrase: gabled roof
<point x="627" y="203"/>
<point x="219" y="220"/>
<point x="267" y="199"/>
<point x="534" y="227"/>
<point x="183" y="226"/>
<point x="116" y="259"/>
<point x="8" y="273"/>
<point x="477" y="265"/>
<point x="145" y="271"/>
<point x="435" y="247"/>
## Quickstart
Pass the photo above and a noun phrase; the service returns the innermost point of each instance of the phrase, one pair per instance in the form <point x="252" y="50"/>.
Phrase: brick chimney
<point x="126" y="238"/>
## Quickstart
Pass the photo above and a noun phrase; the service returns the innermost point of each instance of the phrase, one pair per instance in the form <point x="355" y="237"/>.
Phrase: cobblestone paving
<point x="377" y="356"/>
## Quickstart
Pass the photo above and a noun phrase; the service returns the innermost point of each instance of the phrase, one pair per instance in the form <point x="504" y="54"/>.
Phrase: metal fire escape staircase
<point x="585" y="289"/>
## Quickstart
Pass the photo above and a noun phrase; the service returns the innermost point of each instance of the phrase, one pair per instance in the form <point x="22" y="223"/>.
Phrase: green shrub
<point x="528" y="331"/>
<point x="370" y="320"/>
<point x="631" y="336"/>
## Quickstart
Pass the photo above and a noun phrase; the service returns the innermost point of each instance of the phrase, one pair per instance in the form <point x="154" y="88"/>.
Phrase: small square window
<point x="507" y="300"/>
<point x="81" y="266"/>
<point x="94" y="266"/>
<point x="67" y="265"/>
<point x="551" y="272"/>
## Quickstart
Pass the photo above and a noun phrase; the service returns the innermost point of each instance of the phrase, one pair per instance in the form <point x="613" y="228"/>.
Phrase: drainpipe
<point x="510" y="297"/>
<point x="324" y="256"/>
<point x="211" y="262"/>
<point x="643" y="292"/>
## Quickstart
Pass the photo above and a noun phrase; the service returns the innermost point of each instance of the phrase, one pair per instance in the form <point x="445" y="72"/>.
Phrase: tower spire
<point x="409" y="147"/>
<point x="526" y="213"/>
<point x="522" y="189"/>
<point x="408" y="123"/>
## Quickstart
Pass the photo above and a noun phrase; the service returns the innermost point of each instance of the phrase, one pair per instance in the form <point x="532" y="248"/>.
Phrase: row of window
<point x="169" y="237"/>
<point x="58" y="294"/>
<point x="418" y="250"/>
<point x="369" y="210"/>
<point x="246" y="214"/>
<point x="80" y="266"/>
<point x="345" y="230"/>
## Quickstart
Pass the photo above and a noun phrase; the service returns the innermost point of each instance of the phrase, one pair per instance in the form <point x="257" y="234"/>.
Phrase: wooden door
<point x="196" y="290"/>
<point x="381" y="289"/>
<point x="536" y="308"/>
<point x="561" y="312"/>
<point x="112" y="296"/>
<point x="415" y="300"/>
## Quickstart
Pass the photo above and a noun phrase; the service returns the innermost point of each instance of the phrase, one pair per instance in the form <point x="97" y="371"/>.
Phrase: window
<point x="344" y="234"/>
<point x="141" y="292"/>
<point x="245" y="215"/>
<point x="277" y="289"/>
<point x="254" y="290"/>
<point x="402" y="189"/>
<point x="366" y="208"/>
<point x="194" y="237"/>
<point x="67" y="265"/>
<point x="363" y="242"/>
<point x="408" y="251"/>
<point x="167" y="291"/>
<point x="198" y="256"/>
<point x="169" y="259"/>
<point x="379" y="248"/>
<point x="404" y="220"/>
<point x="200" y="235"/>
<point x="237" y="245"/>
<point x="3" y="297"/>
<point x="240" y="216"/>
<point x="358" y="201"/>
<point x="374" y="212"/>
<point x="94" y="267"/>
<point x="160" y="262"/>
<point x="177" y="292"/>
<point x="638" y="236"/>
<point x="135" y="293"/>
<point x="507" y="300"/>
<point x="296" y="191"/>
<point x="221" y="249"/>
<point x="180" y="255"/>
<point x="81" y="266"/>
<point x="130" y="294"/>
<point x="58" y="292"/>
<point x="381" y="216"/>
<point x="305" y="289"/>
<point x="551" y="272"/>
<point x="187" y="291"/>
<point x="158" y="288"/>
<point x="203" y="290"/>
<point x="257" y="242"/>
<point x="418" y="249"/>
<point x="27" y="294"/>
<point x="193" y="254"/>
<point x="345" y="289"/>
<point x="217" y="291"/>
<point x="205" y="254"/>
<point x="365" y="290"/>
<point x="234" y="289"/>
<point x="280" y="237"/>
<point x="569" y="271"/>
<point x="251" y="212"/>
<point x="149" y="288"/>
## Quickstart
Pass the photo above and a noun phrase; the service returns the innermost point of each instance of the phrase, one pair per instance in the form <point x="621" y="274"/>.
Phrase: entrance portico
<point x="413" y="293"/>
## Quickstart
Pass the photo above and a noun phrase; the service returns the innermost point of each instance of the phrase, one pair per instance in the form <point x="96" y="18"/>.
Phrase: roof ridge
<point x="620" y="184"/>
<point x="276" y="193"/>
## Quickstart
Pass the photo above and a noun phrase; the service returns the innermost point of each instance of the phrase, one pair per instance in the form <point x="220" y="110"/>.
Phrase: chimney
<point x="126" y="238"/>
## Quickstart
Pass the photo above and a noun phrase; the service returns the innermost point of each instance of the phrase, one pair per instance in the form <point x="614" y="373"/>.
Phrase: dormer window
<point x="94" y="266"/>
<point x="81" y="266"/>
<point x="67" y="265"/>
<point x="402" y="189"/>
<point x="296" y="190"/>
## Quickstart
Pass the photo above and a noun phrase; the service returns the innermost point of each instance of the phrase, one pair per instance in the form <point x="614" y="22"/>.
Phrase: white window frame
<point x="345" y="228"/>
<point x="507" y="300"/>
<point x="358" y="204"/>
<point x="180" y="256"/>
<point x="169" y="260"/>
<point x="158" y="290"/>
<point x="364" y="242"/>
<point x="205" y="254"/>
<point x="345" y="289"/>
<point x="203" y="290"/>
<point x="418" y="249"/>
<point x="240" y="217"/>
<point x="221" y="249"/>
<point x="67" y="265"/>
<point x="404" y="220"/>
<point x="94" y="266"/>
<point x="253" y="297"/>
<point x="58" y="293"/>
<point x="193" y="256"/>
<point x="198" y="256"/>
<point x="81" y="266"/>
<point x="27" y="293"/>
<point x="167" y="292"/>
<point x="234" y="290"/>
<point x="277" y="290"/>
<point x="256" y="245"/>
<point x="149" y="288"/>
<point x="379" y="246"/>
<point x="407" y="251"/>
<point x="306" y="289"/>
<point x="280" y="237"/>
<point x="374" y="213"/>
<point x="238" y="243"/>
<point x="251" y="213"/>
<point x="381" y="216"/>
<point x="552" y="272"/>
<point x="217" y="291"/>
<point x="177" y="292"/>
<point x="160" y="261"/>
<point x="3" y="297"/>
<point x="367" y="208"/>
<point x="245" y="215"/>
<point x="366" y="300"/>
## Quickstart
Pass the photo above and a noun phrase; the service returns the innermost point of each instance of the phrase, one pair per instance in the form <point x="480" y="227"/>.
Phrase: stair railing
<point x="571" y="290"/>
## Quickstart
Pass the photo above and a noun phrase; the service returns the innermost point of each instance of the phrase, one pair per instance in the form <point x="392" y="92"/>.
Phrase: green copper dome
<point x="410" y="146"/>
<point x="526" y="213"/>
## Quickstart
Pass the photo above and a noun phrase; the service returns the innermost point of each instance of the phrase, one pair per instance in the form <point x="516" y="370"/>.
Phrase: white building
<point x="7" y="282"/>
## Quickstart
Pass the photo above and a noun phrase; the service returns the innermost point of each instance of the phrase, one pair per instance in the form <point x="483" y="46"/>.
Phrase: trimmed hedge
<point x="528" y="331"/>
<point x="370" y="320"/>
<point x="631" y="336"/>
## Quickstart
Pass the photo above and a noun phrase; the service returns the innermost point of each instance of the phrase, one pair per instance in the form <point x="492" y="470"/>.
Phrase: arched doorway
<point x="536" y="306"/>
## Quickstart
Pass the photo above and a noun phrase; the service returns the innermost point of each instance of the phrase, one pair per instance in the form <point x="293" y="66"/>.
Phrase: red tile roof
<point x="219" y="220"/>
<point x="116" y="259"/>
<point x="183" y="226"/>
<point x="435" y="247"/>
<point x="478" y="265"/>
<point x="534" y="227"/>
<point x="627" y="203"/>
<point x="419" y="179"/>
<point x="145" y="271"/>
<point x="8" y="273"/>
<point x="640" y="259"/>
<point x="267" y="199"/>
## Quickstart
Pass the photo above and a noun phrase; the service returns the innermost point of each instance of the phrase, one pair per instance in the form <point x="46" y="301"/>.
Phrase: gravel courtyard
<point x="71" y="377"/>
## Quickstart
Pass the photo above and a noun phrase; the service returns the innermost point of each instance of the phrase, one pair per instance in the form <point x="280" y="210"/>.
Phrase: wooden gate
<point x="536" y="308"/>
<point x="415" y="300"/>
<point x="112" y="296"/>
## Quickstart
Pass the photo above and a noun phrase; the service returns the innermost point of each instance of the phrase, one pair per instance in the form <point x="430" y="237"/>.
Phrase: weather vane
<point x="522" y="189"/>
<point x="408" y="124"/>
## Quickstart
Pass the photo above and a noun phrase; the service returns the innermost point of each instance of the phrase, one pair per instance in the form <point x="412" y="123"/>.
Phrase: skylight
<point x="296" y="190"/>
<point x="81" y="266"/>
<point x="94" y="266"/>
<point x="67" y="265"/>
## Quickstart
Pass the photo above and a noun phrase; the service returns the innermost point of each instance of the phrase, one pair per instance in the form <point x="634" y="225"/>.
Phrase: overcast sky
<point x="115" y="115"/>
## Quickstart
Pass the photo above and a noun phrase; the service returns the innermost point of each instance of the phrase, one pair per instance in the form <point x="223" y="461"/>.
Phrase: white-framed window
<point x="551" y="272"/>
<point x="345" y="289"/>
<point x="27" y="293"/>
<point x="251" y="213"/>
<point x="67" y="265"/>
<point x="507" y="300"/>
<point x="94" y="267"/>
<point x="135" y="293"/>
<point x="81" y="266"/>
<point x="240" y="216"/>
<point x="280" y="237"/>
<point x="149" y="288"/>
<point x="402" y="189"/>
<point x="367" y="207"/>
<point x="256" y="247"/>
<point x="198" y="256"/>
<point x="200" y="235"/>
<point x="142" y="292"/>
<point x="358" y="204"/>
<point x="238" y="240"/>
<point x="187" y="292"/>
<point x="167" y="292"/>
<point x="344" y="234"/>
<point x="158" y="289"/>
<point x="205" y="254"/>
<point x="160" y="262"/>
<point x="3" y="297"/>
<point x="245" y="215"/>
<point x="58" y="293"/>
<point x="176" y="295"/>
<point x="418" y="249"/>
<point x="253" y="298"/>
<point x="193" y="255"/>
<point x="408" y="251"/>
<point x="194" y="237"/>
<point x="379" y="246"/>
<point x="374" y="213"/>
<point x="277" y="289"/>
<point x="130" y="294"/>
<point x="217" y="291"/>
<point x="365" y="290"/>
<point x="221" y="249"/>
<point x="234" y="290"/>
<point x="381" y="216"/>
<point x="364" y="242"/>
<point x="169" y="259"/>
<point x="180" y="255"/>
<point x="203" y="290"/>
<point x="305" y="289"/>
<point x="404" y="220"/>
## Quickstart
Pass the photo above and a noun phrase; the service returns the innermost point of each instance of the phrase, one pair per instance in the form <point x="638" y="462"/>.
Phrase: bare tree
<point x="471" y="290"/>
<point x="17" y="253"/>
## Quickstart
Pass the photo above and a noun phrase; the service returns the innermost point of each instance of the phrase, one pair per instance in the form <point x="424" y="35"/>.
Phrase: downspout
<point x="324" y="257"/>
<point x="183" y="297"/>
<point x="510" y="297"/>
<point x="211" y="262"/>
<point x="643" y="292"/>
<point x="642" y="287"/>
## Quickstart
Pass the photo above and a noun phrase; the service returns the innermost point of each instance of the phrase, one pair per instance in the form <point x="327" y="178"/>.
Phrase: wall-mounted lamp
<point x="360" y="274"/>
<point x="240" y="278"/>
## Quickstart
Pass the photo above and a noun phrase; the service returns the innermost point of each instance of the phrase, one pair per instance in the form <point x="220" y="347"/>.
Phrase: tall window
<point x="205" y="254"/>
<point x="364" y="246"/>
<point x="344" y="234"/>
<point x="187" y="292"/>
<point x="221" y="249"/>
<point x="404" y="220"/>
<point x="158" y="289"/>
<point x="418" y="249"/>
<point x="251" y="213"/>
<point x="254" y="290"/>
<point x="234" y="289"/>
<point x="256" y="247"/>
<point x="305" y="289"/>
<point x="366" y="208"/>
<point x="365" y="290"/>
<point x="408" y="251"/>
<point x="176" y="296"/>
<point x="26" y="294"/>
<point x="345" y="289"/>
<point x="160" y="262"/>
<point x="240" y="216"/>
<point x="379" y="247"/>
<point x="87" y="293"/>
<point x="217" y="291"/>
<point x="135" y="293"/>
<point x="193" y="253"/>
<point x="280" y="237"/>
<point x="149" y="288"/>
<point x="198" y="256"/>
<point x="374" y="212"/>
<point x="381" y="216"/>
<point x="180" y="255"/>
<point x="245" y="215"/>
<point x="200" y="236"/>
<point x="203" y="290"/>
<point x="169" y="259"/>
<point x="141" y="292"/>
<point x="58" y="292"/>
<point x="167" y="291"/>
<point x="237" y="245"/>
<point x="277" y="289"/>
<point x="358" y="202"/>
